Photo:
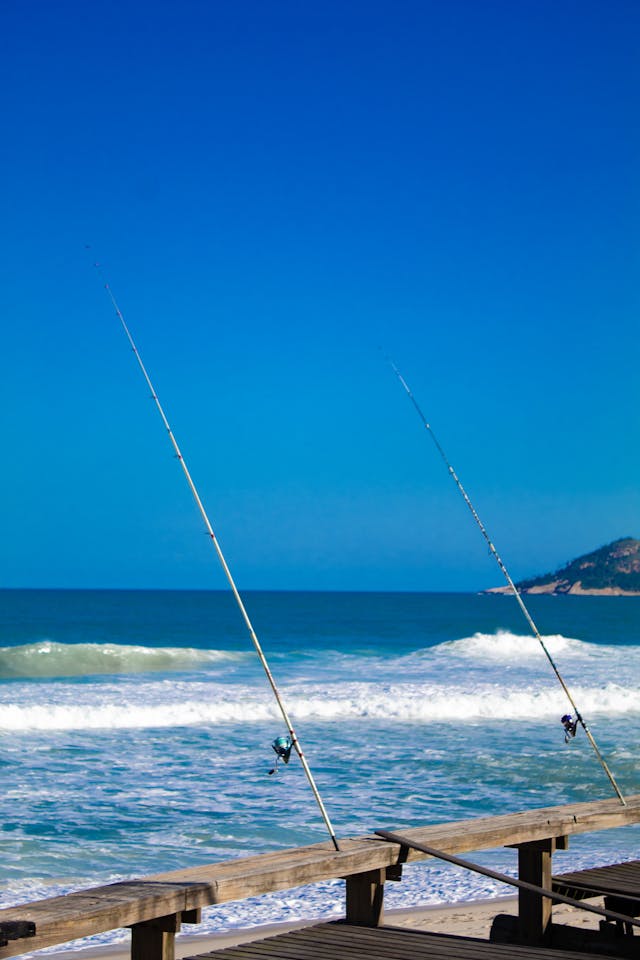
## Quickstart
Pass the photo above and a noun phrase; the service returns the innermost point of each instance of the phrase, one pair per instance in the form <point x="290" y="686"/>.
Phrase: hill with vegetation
<point x="612" y="570"/>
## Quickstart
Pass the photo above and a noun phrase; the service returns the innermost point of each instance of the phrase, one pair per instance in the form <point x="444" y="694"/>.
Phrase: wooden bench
<point x="156" y="906"/>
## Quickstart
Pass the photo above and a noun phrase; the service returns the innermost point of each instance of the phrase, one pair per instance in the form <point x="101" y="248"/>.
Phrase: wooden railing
<point x="156" y="906"/>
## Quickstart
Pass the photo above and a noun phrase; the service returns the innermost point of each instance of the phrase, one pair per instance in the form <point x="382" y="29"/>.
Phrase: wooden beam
<point x="534" y="911"/>
<point x="365" y="898"/>
<point x="155" y="939"/>
<point x="88" y="912"/>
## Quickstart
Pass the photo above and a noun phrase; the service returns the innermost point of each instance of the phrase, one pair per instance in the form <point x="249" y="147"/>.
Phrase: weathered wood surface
<point x="155" y="939"/>
<point x="617" y="883"/>
<point x="337" y="941"/>
<point x="534" y="864"/>
<point x="365" y="898"/>
<point x="288" y="868"/>
<point x="80" y="914"/>
<point x="534" y="911"/>
<point x="622" y="879"/>
<point x="86" y="912"/>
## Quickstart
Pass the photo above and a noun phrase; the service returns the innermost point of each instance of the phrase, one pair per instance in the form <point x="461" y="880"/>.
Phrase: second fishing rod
<point x="511" y="584"/>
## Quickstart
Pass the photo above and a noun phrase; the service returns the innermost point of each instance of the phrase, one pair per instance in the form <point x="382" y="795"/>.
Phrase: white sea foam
<point x="425" y="704"/>
<point x="124" y="716"/>
<point x="504" y="645"/>
<point x="415" y="703"/>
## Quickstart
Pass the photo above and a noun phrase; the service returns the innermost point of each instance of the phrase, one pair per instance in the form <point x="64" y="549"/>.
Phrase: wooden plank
<point x="516" y="828"/>
<point x="336" y="941"/>
<point x="368" y="853"/>
<point x="618" y="883"/>
<point x="252" y="876"/>
<point x="379" y="942"/>
<point x="622" y="878"/>
<point x="407" y="943"/>
<point x="60" y="919"/>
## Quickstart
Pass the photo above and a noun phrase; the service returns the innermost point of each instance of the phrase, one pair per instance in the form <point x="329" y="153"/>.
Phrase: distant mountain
<point x="613" y="570"/>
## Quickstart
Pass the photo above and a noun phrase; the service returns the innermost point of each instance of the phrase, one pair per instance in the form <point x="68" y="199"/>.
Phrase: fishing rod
<point x="227" y="572"/>
<point x="511" y="584"/>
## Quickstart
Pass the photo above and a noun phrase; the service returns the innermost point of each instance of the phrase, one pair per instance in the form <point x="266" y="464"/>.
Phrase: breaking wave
<point x="504" y="645"/>
<point x="48" y="659"/>
<point x="396" y="703"/>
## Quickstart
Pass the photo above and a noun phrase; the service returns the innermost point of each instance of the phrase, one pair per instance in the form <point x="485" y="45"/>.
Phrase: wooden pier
<point x="154" y="907"/>
<point x="342" y="941"/>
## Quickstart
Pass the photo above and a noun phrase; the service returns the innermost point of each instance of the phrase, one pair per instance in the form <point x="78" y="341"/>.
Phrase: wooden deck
<point x="342" y="941"/>
<point x="156" y="906"/>
<point x="618" y="884"/>
<point x="618" y="880"/>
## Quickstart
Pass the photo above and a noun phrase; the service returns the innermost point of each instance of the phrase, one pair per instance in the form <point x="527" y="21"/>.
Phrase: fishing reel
<point x="282" y="747"/>
<point x="570" y="726"/>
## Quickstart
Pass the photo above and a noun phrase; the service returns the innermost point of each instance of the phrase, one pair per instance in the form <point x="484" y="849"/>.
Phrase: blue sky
<point x="279" y="193"/>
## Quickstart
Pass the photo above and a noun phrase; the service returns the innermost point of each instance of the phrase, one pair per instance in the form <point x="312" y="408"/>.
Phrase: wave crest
<point x="47" y="658"/>
<point x="504" y="645"/>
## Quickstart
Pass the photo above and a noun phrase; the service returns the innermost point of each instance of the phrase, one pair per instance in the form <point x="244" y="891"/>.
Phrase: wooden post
<point x="534" y="911"/>
<point x="365" y="898"/>
<point x="191" y="916"/>
<point x="155" y="939"/>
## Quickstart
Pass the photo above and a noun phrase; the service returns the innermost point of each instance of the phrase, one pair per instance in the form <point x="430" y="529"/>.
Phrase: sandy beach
<point x="467" y="919"/>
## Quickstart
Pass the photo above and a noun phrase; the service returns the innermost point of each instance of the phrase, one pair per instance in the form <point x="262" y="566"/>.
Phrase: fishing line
<point x="227" y="572"/>
<point x="512" y="586"/>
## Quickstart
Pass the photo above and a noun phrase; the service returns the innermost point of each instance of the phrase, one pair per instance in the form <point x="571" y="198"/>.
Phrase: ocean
<point x="136" y="731"/>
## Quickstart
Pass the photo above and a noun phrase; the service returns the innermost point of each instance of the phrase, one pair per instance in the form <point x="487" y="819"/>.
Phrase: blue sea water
<point x="136" y="730"/>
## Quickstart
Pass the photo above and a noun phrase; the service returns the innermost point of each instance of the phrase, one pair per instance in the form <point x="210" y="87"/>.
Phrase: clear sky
<point x="279" y="193"/>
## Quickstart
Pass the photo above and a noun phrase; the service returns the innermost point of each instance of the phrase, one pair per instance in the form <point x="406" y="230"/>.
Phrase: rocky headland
<point x="610" y="571"/>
